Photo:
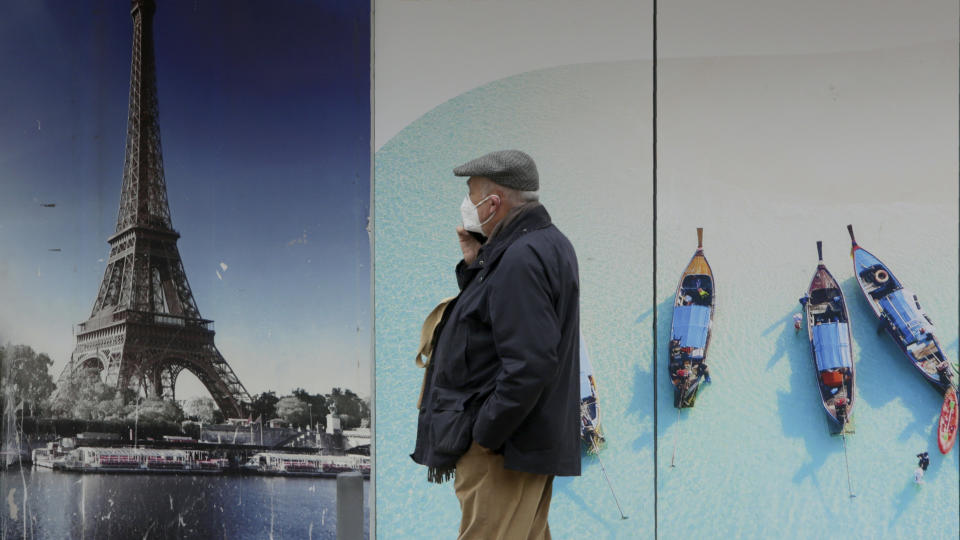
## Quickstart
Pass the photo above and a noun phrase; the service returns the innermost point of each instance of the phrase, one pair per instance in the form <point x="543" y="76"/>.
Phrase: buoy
<point x="881" y="276"/>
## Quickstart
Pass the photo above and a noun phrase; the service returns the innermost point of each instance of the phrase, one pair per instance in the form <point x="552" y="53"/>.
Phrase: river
<point x="74" y="505"/>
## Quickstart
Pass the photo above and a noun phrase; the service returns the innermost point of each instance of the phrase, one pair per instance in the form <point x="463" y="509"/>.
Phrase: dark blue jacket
<point x="505" y="367"/>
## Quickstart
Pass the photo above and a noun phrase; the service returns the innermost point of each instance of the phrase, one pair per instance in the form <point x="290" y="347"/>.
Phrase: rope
<point x="846" y="460"/>
<point x="607" y="478"/>
<point x="676" y="438"/>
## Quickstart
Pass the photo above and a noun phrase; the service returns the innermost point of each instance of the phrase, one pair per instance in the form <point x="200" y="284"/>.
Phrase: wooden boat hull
<point x="591" y="434"/>
<point x="828" y="329"/>
<point x="902" y="318"/>
<point x="690" y="329"/>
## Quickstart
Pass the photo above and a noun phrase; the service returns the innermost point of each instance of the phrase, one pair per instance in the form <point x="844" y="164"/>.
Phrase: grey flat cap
<point x="508" y="168"/>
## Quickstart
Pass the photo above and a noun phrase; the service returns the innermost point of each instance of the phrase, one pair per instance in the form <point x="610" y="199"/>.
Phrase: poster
<point x="577" y="99"/>
<point x="776" y="126"/>
<point x="264" y="117"/>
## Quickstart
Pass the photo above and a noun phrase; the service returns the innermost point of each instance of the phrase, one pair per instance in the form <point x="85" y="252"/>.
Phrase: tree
<point x="82" y="395"/>
<point x="349" y="406"/>
<point x="203" y="409"/>
<point x="156" y="409"/>
<point x="317" y="402"/>
<point x="294" y="410"/>
<point x="265" y="405"/>
<point x="26" y="377"/>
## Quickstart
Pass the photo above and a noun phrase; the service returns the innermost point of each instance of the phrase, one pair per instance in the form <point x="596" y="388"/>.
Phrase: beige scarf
<point x="425" y="352"/>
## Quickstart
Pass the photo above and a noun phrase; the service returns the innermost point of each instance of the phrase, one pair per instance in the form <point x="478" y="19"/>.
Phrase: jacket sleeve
<point x="526" y="333"/>
<point x="465" y="274"/>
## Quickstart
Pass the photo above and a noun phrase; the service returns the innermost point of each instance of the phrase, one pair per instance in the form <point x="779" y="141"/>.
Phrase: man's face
<point x="487" y="199"/>
<point x="475" y="185"/>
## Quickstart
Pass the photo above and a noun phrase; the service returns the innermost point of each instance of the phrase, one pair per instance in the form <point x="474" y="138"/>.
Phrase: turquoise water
<point x="755" y="454"/>
<point x="771" y="155"/>
<point x="754" y="457"/>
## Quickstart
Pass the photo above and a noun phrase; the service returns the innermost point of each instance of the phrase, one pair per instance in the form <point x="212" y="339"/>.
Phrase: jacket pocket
<point x="450" y="358"/>
<point x="451" y="426"/>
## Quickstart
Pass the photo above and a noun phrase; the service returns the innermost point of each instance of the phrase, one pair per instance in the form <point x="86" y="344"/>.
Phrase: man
<point x="500" y="408"/>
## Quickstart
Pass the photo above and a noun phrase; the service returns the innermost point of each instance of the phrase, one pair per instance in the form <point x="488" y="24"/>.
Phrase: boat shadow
<point x="640" y="410"/>
<point x="789" y="338"/>
<point x="667" y="414"/>
<point x="564" y="484"/>
<point x="884" y="374"/>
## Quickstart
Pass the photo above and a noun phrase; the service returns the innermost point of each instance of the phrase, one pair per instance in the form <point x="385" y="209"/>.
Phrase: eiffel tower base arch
<point x="149" y="357"/>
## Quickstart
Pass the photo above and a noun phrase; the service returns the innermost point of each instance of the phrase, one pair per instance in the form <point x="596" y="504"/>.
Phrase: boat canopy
<point x="906" y="316"/>
<point x="831" y="345"/>
<point x="690" y="325"/>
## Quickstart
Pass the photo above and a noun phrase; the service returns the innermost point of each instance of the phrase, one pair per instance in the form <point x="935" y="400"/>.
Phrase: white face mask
<point x="470" y="216"/>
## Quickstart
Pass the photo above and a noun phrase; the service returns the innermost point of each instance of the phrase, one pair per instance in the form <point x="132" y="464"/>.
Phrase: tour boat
<point x="140" y="460"/>
<point x="283" y="464"/>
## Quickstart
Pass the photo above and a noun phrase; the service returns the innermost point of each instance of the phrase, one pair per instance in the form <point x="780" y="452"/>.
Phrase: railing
<point x="142" y="317"/>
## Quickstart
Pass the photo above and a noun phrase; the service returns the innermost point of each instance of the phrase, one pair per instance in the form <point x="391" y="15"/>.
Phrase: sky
<point x="265" y="127"/>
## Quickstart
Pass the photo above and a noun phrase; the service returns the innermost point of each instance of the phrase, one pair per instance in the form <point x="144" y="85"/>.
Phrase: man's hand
<point x="468" y="245"/>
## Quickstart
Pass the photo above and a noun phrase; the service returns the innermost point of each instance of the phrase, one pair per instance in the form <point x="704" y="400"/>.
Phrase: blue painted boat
<point x="902" y="317"/>
<point x="828" y="328"/>
<point x="690" y="329"/>
<point x="590" y="431"/>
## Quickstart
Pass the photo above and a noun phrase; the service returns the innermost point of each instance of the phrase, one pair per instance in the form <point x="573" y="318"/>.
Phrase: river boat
<point x="284" y="464"/>
<point x="91" y="459"/>
<point x="590" y="431"/>
<point x="690" y="329"/>
<point x="828" y="328"/>
<point x="902" y="317"/>
<point x="50" y="455"/>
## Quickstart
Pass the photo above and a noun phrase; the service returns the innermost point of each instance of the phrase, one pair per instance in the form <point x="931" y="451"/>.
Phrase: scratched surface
<point x="69" y="505"/>
<point x="264" y="115"/>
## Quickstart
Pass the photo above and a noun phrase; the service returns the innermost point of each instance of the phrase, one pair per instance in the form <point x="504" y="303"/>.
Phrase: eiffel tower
<point x="145" y="327"/>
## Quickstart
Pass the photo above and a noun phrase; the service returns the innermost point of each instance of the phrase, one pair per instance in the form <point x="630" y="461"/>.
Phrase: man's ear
<point x="496" y="199"/>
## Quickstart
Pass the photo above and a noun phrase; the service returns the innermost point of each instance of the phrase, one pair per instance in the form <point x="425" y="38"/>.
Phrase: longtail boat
<point x="690" y="329"/>
<point x="828" y="327"/>
<point x="902" y="317"/>
<point x="590" y="431"/>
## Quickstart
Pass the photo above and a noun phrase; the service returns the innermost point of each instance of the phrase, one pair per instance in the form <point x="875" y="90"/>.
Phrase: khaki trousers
<point x="500" y="504"/>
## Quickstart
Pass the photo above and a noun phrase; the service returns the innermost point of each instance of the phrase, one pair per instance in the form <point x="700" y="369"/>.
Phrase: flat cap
<point x="508" y="168"/>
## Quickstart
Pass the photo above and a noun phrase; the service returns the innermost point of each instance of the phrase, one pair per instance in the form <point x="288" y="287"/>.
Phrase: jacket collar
<point x="529" y="217"/>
